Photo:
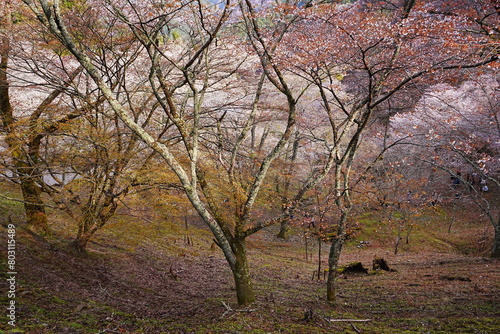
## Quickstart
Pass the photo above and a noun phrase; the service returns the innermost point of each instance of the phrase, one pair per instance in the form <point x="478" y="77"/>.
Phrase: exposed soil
<point x="153" y="289"/>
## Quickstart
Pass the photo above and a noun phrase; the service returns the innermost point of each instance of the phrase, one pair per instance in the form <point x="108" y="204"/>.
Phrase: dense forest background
<point x="240" y="131"/>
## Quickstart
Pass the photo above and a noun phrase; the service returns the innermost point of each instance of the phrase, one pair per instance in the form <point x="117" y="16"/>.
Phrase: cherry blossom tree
<point x="367" y="61"/>
<point x="456" y="129"/>
<point x="230" y="75"/>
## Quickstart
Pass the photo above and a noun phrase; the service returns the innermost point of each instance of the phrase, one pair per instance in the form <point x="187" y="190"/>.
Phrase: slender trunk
<point x="241" y="273"/>
<point x="396" y="245"/>
<point x="285" y="226"/>
<point x="307" y="250"/>
<point x="495" y="252"/>
<point x="453" y="215"/>
<point x="398" y="239"/>
<point x="408" y="232"/>
<point x="319" y="258"/>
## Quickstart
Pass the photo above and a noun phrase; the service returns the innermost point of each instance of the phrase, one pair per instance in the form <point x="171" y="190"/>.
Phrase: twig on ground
<point x="104" y="290"/>
<point x="355" y="328"/>
<point x="348" y="320"/>
<point x="107" y="330"/>
<point x="230" y="309"/>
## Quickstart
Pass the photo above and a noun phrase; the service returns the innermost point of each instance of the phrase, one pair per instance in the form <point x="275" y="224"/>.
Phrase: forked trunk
<point x="80" y="243"/>
<point x="241" y="273"/>
<point x="86" y="230"/>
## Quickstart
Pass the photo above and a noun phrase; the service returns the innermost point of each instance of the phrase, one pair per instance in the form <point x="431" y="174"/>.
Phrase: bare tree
<point x="181" y="76"/>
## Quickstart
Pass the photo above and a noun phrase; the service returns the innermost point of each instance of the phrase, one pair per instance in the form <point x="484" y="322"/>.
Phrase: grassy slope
<point x="142" y="276"/>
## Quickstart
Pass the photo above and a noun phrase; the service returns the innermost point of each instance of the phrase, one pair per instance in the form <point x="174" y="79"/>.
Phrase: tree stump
<point x="354" y="267"/>
<point x="381" y="264"/>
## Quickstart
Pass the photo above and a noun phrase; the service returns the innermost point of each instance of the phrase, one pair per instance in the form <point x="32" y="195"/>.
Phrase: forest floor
<point x="151" y="278"/>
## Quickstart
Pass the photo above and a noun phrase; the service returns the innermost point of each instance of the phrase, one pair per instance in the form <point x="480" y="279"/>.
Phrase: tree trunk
<point x="319" y="258"/>
<point x="333" y="264"/>
<point x="94" y="218"/>
<point x="334" y="256"/>
<point x="80" y="242"/>
<point x="241" y="273"/>
<point x="282" y="234"/>
<point x="33" y="204"/>
<point x="86" y="229"/>
<point x="495" y="252"/>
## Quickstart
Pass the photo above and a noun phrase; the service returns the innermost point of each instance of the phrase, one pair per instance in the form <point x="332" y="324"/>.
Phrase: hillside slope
<point x="147" y="277"/>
